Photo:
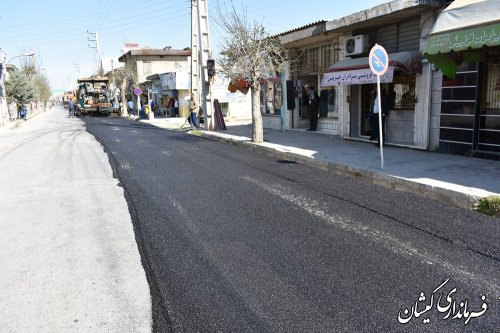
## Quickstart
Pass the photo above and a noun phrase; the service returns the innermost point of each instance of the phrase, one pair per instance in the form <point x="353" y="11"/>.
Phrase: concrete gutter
<point x="431" y="191"/>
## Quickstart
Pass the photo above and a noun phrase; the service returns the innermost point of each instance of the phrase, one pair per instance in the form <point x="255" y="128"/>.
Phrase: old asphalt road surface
<point x="68" y="257"/>
<point x="235" y="241"/>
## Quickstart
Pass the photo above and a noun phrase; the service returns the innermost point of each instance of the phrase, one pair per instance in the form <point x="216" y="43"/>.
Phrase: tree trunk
<point x="124" y="111"/>
<point x="258" y="129"/>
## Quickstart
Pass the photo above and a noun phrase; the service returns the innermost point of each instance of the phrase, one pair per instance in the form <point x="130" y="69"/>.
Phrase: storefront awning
<point x="357" y="71"/>
<point x="465" y="25"/>
<point x="407" y="61"/>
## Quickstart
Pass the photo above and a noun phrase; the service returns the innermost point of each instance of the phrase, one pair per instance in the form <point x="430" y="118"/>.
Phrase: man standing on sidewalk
<point x="313" y="107"/>
<point x="193" y="107"/>
<point x="130" y="107"/>
<point x="375" y="123"/>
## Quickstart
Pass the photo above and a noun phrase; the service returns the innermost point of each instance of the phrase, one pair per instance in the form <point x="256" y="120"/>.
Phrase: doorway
<point x="366" y="103"/>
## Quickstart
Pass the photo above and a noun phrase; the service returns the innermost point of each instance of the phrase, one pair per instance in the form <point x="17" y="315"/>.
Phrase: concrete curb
<point x="440" y="194"/>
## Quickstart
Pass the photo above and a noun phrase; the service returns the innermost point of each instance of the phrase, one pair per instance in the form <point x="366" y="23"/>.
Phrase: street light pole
<point x="21" y="55"/>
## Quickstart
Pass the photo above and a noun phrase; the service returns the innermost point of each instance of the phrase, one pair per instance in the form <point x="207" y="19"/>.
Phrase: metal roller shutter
<point x="409" y="35"/>
<point x="388" y="38"/>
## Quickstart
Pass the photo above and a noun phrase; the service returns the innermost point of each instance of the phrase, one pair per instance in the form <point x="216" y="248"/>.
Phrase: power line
<point x="62" y="23"/>
<point x="56" y="38"/>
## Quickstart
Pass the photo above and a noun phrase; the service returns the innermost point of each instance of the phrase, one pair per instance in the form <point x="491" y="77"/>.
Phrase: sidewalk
<point x="12" y="124"/>
<point x="452" y="179"/>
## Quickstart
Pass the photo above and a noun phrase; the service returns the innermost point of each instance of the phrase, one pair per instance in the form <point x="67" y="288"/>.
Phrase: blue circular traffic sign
<point x="379" y="60"/>
<point x="138" y="91"/>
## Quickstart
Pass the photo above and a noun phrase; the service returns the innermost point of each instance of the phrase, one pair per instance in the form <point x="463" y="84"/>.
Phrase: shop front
<point x="465" y="45"/>
<point x="174" y="85"/>
<point x="399" y="83"/>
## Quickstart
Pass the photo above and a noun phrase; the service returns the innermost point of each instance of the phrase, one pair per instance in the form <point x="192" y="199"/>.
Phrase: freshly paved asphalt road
<point x="235" y="241"/>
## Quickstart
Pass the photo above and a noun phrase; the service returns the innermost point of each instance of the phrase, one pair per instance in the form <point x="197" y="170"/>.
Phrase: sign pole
<point x="380" y="132"/>
<point x="138" y="93"/>
<point x="379" y="63"/>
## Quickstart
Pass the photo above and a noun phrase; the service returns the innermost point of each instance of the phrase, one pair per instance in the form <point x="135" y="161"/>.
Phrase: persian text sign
<point x="356" y="76"/>
<point x="472" y="38"/>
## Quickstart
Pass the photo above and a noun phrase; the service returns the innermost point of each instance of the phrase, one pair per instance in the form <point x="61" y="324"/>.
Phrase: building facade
<point x="430" y="109"/>
<point x="464" y="45"/>
<point x="144" y="63"/>
<point x="332" y="55"/>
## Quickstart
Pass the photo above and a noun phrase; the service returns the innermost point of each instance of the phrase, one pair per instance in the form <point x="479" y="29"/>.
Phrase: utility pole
<point x="95" y="39"/>
<point x="3" y="100"/>
<point x="200" y="53"/>
<point x="113" y="84"/>
<point x="76" y="67"/>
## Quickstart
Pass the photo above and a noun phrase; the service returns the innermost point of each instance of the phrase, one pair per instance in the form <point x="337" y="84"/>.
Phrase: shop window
<point x="491" y="90"/>
<point x="270" y="98"/>
<point x="277" y="97"/>
<point x="224" y="107"/>
<point x="328" y="103"/>
<point x="402" y="91"/>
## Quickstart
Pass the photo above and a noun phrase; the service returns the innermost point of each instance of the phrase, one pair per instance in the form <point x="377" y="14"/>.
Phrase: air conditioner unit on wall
<point x="357" y="45"/>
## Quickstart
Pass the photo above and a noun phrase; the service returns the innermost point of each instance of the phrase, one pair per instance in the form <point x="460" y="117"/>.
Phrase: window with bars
<point x="313" y="60"/>
<point x="326" y="57"/>
<point x="491" y="99"/>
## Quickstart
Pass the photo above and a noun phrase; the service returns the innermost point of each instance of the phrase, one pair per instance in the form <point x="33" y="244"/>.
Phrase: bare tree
<point x="249" y="53"/>
<point x="28" y="66"/>
<point x="125" y="78"/>
<point x="42" y="88"/>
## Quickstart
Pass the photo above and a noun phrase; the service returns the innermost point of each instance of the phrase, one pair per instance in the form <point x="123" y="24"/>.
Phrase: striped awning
<point x="406" y="60"/>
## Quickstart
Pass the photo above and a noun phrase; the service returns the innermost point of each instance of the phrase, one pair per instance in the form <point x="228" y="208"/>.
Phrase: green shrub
<point x="489" y="205"/>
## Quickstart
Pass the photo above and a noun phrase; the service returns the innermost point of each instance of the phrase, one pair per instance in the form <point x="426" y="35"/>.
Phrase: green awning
<point x="461" y="32"/>
<point x="461" y="40"/>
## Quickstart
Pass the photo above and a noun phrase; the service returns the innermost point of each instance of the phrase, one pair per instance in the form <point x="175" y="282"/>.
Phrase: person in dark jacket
<point x="313" y="97"/>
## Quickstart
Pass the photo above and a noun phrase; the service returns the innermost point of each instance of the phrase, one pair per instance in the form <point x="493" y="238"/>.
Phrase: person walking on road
<point x="71" y="108"/>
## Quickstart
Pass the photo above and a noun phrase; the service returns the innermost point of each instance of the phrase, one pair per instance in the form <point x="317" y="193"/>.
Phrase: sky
<point x="58" y="31"/>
